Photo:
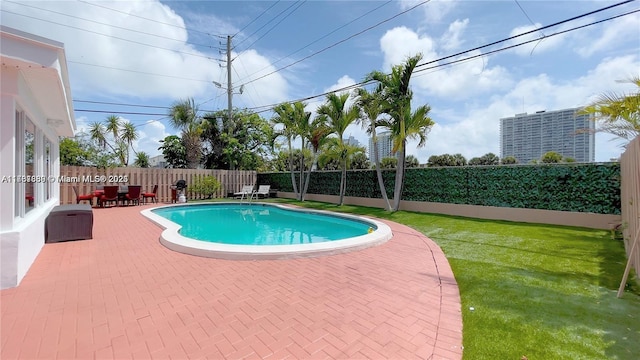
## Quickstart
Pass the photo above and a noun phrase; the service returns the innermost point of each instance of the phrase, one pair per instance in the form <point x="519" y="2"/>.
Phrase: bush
<point x="205" y="185"/>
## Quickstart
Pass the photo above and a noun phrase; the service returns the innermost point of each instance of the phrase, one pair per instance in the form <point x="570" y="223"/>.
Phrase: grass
<point x="540" y="291"/>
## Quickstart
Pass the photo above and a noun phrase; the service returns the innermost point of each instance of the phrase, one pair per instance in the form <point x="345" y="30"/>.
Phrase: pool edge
<point x="171" y="238"/>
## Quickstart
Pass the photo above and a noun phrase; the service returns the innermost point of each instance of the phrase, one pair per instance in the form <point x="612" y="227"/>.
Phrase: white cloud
<point x="460" y="81"/>
<point x="540" y="46"/>
<point x="434" y="10"/>
<point x="452" y="39"/>
<point x="474" y="131"/>
<point x="612" y="35"/>
<point x="150" y="135"/>
<point x="155" y="58"/>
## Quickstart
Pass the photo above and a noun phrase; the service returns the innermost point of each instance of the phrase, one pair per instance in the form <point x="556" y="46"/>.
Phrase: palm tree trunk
<point x="301" y="170"/>
<point x="293" y="176"/>
<point x="343" y="182"/>
<point x="376" y="160"/>
<point x="397" y="193"/>
<point x="303" y="192"/>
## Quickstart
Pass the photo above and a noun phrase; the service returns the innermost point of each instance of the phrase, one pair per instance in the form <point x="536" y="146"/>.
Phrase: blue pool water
<point x="260" y="224"/>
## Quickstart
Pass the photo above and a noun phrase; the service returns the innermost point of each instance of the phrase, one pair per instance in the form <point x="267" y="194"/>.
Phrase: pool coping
<point x="171" y="238"/>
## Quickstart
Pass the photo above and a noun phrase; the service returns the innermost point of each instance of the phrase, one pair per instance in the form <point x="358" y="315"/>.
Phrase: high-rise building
<point x="385" y="145"/>
<point x="529" y="136"/>
<point x="351" y="141"/>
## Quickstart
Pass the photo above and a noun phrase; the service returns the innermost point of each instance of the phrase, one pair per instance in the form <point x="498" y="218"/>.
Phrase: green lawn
<point x="542" y="291"/>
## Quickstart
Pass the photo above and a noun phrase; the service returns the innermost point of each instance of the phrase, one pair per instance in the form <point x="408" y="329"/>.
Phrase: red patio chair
<point x="152" y="195"/>
<point x="83" y="197"/>
<point x="110" y="195"/>
<point x="133" y="195"/>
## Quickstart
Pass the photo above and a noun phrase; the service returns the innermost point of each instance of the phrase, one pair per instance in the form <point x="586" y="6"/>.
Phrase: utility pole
<point x="229" y="85"/>
<point x="229" y="97"/>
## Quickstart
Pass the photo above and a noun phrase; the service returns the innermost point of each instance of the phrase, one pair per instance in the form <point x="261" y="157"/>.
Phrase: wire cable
<point x="268" y="31"/>
<point x="340" y="42"/>
<point x="136" y="71"/>
<point x="267" y="23"/>
<point x="256" y="18"/>
<point x="106" y="24"/>
<point x="109" y="36"/>
<point x="318" y="39"/>
<point x="148" y="19"/>
<point x="364" y="83"/>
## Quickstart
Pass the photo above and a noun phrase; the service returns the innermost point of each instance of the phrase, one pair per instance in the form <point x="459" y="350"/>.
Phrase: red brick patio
<point x="123" y="295"/>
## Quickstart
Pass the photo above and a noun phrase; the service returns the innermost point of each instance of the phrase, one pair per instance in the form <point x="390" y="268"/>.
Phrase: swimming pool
<point x="262" y="231"/>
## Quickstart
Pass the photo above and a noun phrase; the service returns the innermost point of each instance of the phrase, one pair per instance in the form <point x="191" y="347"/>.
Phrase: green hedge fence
<point x="593" y="187"/>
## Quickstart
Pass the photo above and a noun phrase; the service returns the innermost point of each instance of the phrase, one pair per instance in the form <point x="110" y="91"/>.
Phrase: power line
<point x="135" y="71"/>
<point x="320" y="38"/>
<point x="267" y="23"/>
<point x="256" y="18"/>
<point x="106" y="24"/>
<point x="118" y="112"/>
<point x="273" y="27"/>
<point x="527" y="42"/>
<point x="109" y="36"/>
<point x="364" y="83"/>
<point x="529" y="32"/>
<point x="340" y="42"/>
<point x="148" y="19"/>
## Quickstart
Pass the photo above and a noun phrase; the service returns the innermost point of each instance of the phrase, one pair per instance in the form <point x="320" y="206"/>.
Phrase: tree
<point x="174" y="152"/>
<point x="388" y="163"/>
<point x="76" y="152"/>
<point x="618" y="114"/>
<point x="116" y="136"/>
<point x="371" y="107"/>
<point x="73" y="153"/>
<point x="403" y="123"/>
<point x="551" y="157"/>
<point x="411" y="161"/>
<point x="448" y="160"/>
<point x="318" y="132"/>
<point x="360" y="161"/>
<point x="285" y="117"/>
<point x="142" y="160"/>
<point x="508" y="160"/>
<point x="486" y="159"/>
<point x="339" y="117"/>
<point x="183" y="115"/>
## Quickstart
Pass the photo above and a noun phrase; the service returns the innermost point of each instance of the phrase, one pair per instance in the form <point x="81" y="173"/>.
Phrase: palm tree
<point x="285" y="117"/>
<point x="184" y="116"/>
<point x="123" y="135"/>
<point x="142" y="159"/>
<point x="397" y="96"/>
<point x="128" y="136"/>
<point x="301" y="119"/>
<point x="618" y="114"/>
<point x="318" y="132"/>
<point x="339" y="117"/>
<point x="370" y="104"/>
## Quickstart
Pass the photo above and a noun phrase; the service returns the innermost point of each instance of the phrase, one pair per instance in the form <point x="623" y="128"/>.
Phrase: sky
<point x="137" y="58"/>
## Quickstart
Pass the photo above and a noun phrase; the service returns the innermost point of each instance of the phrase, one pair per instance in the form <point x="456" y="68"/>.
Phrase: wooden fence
<point x="85" y="178"/>
<point x="630" y="198"/>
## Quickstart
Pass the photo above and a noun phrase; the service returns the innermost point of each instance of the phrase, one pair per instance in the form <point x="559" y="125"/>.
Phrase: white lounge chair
<point x="263" y="191"/>
<point x="247" y="191"/>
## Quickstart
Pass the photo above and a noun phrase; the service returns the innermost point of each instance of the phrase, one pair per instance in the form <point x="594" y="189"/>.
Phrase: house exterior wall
<point x="34" y="112"/>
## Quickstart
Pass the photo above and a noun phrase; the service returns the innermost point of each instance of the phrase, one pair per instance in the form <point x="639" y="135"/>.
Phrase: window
<point x="47" y="168"/>
<point x="29" y="156"/>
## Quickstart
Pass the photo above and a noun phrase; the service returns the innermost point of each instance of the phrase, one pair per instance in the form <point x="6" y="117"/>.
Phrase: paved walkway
<point x="123" y="295"/>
